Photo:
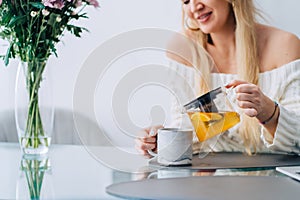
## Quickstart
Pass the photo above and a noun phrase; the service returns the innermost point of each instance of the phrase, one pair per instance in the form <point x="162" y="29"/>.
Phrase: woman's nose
<point x="196" y="5"/>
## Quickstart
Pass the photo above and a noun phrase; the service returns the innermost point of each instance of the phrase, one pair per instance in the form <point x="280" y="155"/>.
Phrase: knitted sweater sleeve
<point x="287" y="135"/>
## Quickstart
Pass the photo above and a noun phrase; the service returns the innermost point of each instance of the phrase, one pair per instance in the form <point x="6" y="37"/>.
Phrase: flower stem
<point x="34" y="132"/>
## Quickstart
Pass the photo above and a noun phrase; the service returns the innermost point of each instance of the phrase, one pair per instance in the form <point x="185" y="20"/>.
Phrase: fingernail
<point x="152" y="132"/>
<point x="227" y="85"/>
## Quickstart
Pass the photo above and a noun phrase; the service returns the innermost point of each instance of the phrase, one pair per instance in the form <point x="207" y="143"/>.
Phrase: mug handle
<point x="152" y="153"/>
<point x="152" y="133"/>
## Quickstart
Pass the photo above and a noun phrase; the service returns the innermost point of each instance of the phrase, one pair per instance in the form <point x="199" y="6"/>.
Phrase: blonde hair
<point x="247" y="60"/>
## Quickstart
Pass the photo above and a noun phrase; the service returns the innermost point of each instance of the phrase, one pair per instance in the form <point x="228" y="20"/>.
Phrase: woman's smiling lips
<point x="204" y="17"/>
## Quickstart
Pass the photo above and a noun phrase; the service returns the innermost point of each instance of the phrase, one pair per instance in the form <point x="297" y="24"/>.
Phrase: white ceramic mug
<point x="174" y="146"/>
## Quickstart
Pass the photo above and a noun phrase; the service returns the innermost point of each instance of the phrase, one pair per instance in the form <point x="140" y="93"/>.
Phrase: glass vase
<point x="34" y="112"/>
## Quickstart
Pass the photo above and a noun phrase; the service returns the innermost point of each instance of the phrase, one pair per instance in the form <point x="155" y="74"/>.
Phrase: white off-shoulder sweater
<point x="281" y="84"/>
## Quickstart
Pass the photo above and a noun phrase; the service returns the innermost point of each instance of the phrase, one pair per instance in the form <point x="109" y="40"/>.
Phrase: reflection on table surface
<point x="78" y="172"/>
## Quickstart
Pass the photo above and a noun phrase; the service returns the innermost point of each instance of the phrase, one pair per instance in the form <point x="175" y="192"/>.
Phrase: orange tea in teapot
<point x="211" y="113"/>
<point x="208" y="125"/>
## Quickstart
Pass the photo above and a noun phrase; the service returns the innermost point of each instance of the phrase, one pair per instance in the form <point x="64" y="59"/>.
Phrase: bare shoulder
<point x="290" y="45"/>
<point x="283" y="46"/>
<point x="179" y="49"/>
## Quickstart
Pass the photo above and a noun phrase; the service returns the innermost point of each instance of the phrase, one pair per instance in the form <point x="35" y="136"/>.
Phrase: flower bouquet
<point x="32" y="28"/>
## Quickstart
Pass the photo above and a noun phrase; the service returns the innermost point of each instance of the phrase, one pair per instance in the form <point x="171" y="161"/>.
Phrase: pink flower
<point x="78" y="3"/>
<point x="93" y="3"/>
<point x="58" y="4"/>
<point x="0" y="2"/>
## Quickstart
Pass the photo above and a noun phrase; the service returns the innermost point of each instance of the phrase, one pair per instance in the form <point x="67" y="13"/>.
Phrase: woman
<point x="261" y="62"/>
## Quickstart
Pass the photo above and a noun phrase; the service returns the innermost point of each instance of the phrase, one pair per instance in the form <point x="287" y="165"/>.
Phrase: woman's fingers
<point x="245" y="104"/>
<point x="235" y="83"/>
<point x="248" y="89"/>
<point x="248" y="108"/>
<point x="151" y="131"/>
<point x="145" y="145"/>
<point x="251" y="112"/>
<point x="142" y="152"/>
<point x="147" y="140"/>
<point x="249" y="97"/>
<point x="245" y="97"/>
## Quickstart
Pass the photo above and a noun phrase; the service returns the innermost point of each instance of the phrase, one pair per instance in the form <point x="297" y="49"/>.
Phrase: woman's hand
<point x="145" y="141"/>
<point x="252" y="100"/>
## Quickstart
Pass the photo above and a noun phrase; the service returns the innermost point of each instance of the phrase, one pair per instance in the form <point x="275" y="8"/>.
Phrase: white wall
<point x="283" y="14"/>
<point x="116" y="17"/>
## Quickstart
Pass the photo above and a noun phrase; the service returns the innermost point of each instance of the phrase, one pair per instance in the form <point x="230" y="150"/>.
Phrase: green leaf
<point x="38" y="5"/>
<point x="76" y="30"/>
<point x="7" y="17"/>
<point x="17" y="20"/>
<point x="53" y="49"/>
<point x="83" y="15"/>
<point x="8" y="54"/>
<point x="5" y="34"/>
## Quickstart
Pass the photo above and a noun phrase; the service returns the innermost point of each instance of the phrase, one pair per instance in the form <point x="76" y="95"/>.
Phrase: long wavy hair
<point x="247" y="60"/>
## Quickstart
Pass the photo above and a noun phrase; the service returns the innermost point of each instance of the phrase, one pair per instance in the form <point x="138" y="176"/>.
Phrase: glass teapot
<point x="212" y="113"/>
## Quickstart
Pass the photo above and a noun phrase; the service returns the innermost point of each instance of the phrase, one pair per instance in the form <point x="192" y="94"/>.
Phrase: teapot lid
<point x="204" y="101"/>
